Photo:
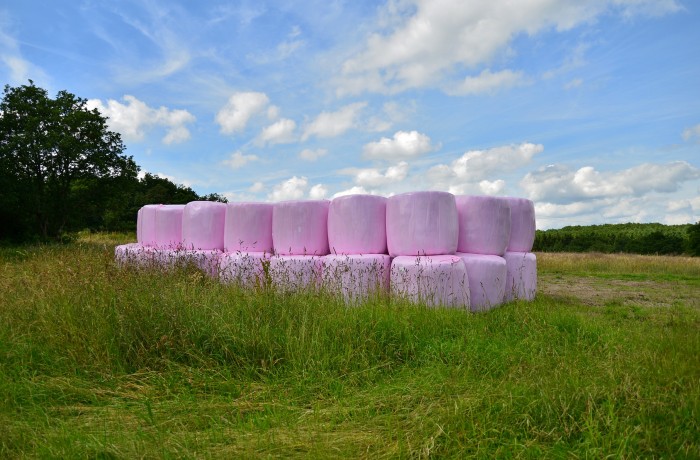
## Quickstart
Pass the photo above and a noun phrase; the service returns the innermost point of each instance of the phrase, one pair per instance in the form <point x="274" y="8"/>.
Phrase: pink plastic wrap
<point x="168" y="226"/>
<point x="135" y="254"/>
<point x="248" y="227"/>
<point x="439" y="280"/>
<point x="521" y="279"/>
<point x="243" y="268"/>
<point x="295" y="272"/>
<point x="203" y="225"/>
<point x="522" y="227"/>
<point x="139" y="223"/>
<point x="421" y="223"/>
<point x="357" y="225"/>
<point x="146" y="222"/>
<point x="206" y="260"/>
<point x="300" y="227"/>
<point x="484" y="225"/>
<point x="487" y="280"/>
<point x="356" y="277"/>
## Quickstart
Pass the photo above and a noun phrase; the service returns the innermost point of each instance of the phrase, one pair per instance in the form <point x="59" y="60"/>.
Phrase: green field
<point x="102" y="362"/>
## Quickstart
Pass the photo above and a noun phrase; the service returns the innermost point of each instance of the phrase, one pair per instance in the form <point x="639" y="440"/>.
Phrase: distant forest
<point x="628" y="238"/>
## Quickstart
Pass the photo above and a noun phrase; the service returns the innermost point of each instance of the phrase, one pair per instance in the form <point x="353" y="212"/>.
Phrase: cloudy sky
<point x="591" y="109"/>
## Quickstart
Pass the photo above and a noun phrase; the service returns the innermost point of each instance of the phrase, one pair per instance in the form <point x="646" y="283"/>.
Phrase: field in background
<point x="101" y="362"/>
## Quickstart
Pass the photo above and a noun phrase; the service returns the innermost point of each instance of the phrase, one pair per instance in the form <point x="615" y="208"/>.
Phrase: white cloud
<point x="492" y="188"/>
<point x="312" y="155"/>
<point x="257" y="187"/>
<point x="421" y="43"/>
<point x="234" y="116"/>
<point x="331" y="124"/>
<point x="404" y="144"/>
<point x="356" y="190"/>
<point x="487" y="82"/>
<point x="238" y="160"/>
<point x="692" y="132"/>
<point x="293" y="188"/>
<point x="280" y="132"/>
<point x="134" y="118"/>
<point x="373" y="177"/>
<point x="558" y="184"/>
<point x="318" y="192"/>
<point x="20" y="69"/>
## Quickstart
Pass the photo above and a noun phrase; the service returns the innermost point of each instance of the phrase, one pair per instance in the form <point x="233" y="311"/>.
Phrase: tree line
<point x="627" y="238"/>
<point x="63" y="170"/>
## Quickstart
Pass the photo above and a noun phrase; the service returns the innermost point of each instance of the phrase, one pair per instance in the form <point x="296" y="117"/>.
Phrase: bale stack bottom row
<point x="435" y="248"/>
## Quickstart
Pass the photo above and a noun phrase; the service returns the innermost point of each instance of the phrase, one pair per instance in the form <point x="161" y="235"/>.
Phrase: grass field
<point x="102" y="362"/>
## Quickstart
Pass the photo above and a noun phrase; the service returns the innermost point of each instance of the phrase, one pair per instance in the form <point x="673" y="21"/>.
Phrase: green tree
<point x="50" y="150"/>
<point x="693" y="245"/>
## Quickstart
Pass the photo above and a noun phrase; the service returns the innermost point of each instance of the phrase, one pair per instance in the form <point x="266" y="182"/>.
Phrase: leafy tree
<point x="694" y="239"/>
<point x="51" y="152"/>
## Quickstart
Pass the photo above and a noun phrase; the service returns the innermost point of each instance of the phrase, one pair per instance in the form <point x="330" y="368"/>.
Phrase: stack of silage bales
<point x="468" y="252"/>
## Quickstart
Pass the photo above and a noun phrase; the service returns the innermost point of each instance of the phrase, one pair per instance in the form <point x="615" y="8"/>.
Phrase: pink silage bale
<point x="168" y="226"/>
<point x="248" y="227"/>
<point x="521" y="278"/>
<point x="139" y="222"/>
<point x="357" y="225"/>
<point x="356" y="276"/>
<point x="487" y="280"/>
<point x="421" y="223"/>
<point x="435" y="281"/>
<point x="300" y="227"/>
<point x="484" y="224"/>
<point x="522" y="227"/>
<point x="294" y="273"/>
<point x="243" y="268"/>
<point x="203" y="225"/>
<point x="148" y="224"/>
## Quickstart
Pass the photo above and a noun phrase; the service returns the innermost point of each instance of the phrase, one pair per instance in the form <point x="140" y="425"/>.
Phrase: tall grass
<point x="98" y="361"/>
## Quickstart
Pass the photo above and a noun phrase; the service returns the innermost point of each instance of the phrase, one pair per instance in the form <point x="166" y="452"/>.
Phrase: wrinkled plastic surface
<point x="146" y="222"/>
<point x="168" y="226"/>
<point x="522" y="227"/>
<point x="439" y="280"/>
<point x="248" y="227"/>
<point x="300" y="227"/>
<point x="521" y="279"/>
<point x="421" y="223"/>
<point x="487" y="280"/>
<point x="357" y="225"/>
<point x="243" y="268"/>
<point x="206" y="260"/>
<point x="484" y="225"/>
<point x="203" y="225"/>
<point x="135" y="254"/>
<point x="356" y="276"/>
<point x="295" y="272"/>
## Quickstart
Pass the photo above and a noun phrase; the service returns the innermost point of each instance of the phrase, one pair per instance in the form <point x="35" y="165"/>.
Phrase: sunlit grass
<point x="97" y="361"/>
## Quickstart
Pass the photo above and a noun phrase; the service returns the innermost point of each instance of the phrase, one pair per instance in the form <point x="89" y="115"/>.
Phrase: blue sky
<point x="591" y="109"/>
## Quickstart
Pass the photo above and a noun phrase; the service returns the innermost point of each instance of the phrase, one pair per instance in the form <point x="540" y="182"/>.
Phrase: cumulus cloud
<point x="559" y="184"/>
<point x="331" y="124"/>
<point x="312" y="155"/>
<point x="421" y="43"/>
<point x="404" y="144"/>
<point x="492" y="188"/>
<point x="318" y="192"/>
<point x="373" y="177"/>
<point x="692" y="132"/>
<point x="240" y="108"/>
<point x="293" y="188"/>
<point x="280" y="132"/>
<point x="238" y="160"/>
<point x="487" y="82"/>
<point x="133" y="119"/>
<point x="257" y="187"/>
<point x="356" y="190"/>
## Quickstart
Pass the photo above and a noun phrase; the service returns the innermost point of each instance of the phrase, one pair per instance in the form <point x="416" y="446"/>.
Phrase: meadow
<point x="98" y="361"/>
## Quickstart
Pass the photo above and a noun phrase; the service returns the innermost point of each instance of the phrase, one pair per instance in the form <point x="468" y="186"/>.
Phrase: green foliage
<point x="693" y="247"/>
<point x="615" y="238"/>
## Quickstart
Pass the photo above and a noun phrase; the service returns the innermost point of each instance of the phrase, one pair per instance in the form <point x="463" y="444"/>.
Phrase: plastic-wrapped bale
<point x="522" y="227"/>
<point x="357" y="225"/>
<point x="487" y="280"/>
<point x="300" y="227"/>
<point x="431" y="280"/>
<point x="421" y="223"/>
<point x="146" y="224"/>
<point x="484" y="225"/>
<point x="206" y="260"/>
<point x="203" y="225"/>
<point x="356" y="277"/>
<point x="135" y="254"/>
<point x="248" y="227"/>
<point x="521" y="278"/>
<point x="168" y="226"/>
<point x="245" y="269"/>
<point x="294" y="273"/>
